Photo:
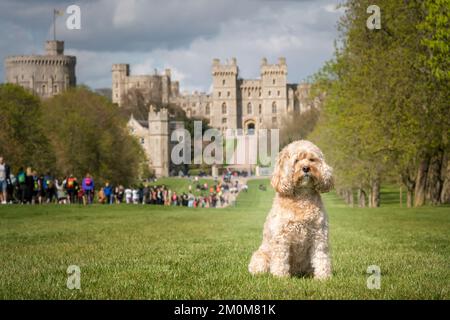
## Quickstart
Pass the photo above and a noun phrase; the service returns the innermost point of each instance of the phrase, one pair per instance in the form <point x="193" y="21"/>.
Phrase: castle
<point x="45" y="75"/>
<point x="234" y="103"/>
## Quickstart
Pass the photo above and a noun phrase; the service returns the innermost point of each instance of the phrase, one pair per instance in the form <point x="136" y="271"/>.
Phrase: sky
<point x="183" y="35"/>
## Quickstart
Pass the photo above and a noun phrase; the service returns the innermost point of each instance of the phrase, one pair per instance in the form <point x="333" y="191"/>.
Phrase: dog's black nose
<point x="305" y="169"/>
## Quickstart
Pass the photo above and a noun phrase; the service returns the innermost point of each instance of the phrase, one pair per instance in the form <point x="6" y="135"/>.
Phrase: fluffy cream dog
<point x="295" y="237"/>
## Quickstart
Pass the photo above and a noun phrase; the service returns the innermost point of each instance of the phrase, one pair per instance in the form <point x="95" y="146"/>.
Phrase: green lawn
<point x="150" y="252"/>
<point x="180" y="185"/>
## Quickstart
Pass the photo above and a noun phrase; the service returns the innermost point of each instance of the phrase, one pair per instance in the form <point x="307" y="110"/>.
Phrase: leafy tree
<point x="23" y="142"/>
<point x="89" y="135"/>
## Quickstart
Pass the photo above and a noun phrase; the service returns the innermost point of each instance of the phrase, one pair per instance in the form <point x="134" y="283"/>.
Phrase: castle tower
<point x="120" y="73"/>
<point x="45" y="75"/>
<point x="158" y="141"/>
<point x="225" y="108"/>
<point x="54" y="47"/>
<point x="166" y="86"/>
<point x="274" y="91"/>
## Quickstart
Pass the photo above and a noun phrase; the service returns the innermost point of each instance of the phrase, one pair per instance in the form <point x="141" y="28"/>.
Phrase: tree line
<point x="75" y="132"/>
<point x="386" y="115"/>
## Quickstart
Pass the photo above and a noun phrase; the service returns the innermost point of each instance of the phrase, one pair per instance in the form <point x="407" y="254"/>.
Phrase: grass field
<point x="150" y="252"/>
<point x="180" y="185"/>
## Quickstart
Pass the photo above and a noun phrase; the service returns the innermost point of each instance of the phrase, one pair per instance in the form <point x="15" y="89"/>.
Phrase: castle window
<point x="273" y="82"/>
<point x="193" y="104"/>
<point x="224" y="120"/>
<point x="55" y="88"/>
<point x="249" y="93"/>
<point x="278" y="93"/>
<point x="228" y="93"/>
<point x="220" y="94"/>
<point x="43" y="88"/>
<point x="117" y="95"/>
<point x="142" y="140"/>
<point x="224" y="108"/>
<point x="249" y="108"/>
<point x="260" y="109"/>
<point x="274" y="120"/>
<point x="138" y="84"/>
<point x="223" y="82"/>
<point x="207" y="110"/>
<point x="270" y="93"/>
<point x="274" y="107"/>
<point x="260" y="93"/>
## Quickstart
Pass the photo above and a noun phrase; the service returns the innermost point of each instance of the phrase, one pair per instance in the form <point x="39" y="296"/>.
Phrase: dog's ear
<point x="326" y="183"/>
<point x="282" y="175"/>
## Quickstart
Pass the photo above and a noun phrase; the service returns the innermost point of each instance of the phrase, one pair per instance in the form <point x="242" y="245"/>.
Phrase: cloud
<point x="181" y="35"/>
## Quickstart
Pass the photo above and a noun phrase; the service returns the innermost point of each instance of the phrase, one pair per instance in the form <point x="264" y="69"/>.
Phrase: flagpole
<point x="54" y="25"/>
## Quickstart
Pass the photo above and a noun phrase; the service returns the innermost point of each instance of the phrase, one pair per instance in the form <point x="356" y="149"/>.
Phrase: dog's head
<point x="301" y="165"/>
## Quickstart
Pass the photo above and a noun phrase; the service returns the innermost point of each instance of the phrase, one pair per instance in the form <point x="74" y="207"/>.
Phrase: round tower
<point x="44" y="75"/>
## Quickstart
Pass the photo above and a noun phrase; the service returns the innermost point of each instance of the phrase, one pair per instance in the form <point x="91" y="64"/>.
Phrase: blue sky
<point x="184" y="35"/>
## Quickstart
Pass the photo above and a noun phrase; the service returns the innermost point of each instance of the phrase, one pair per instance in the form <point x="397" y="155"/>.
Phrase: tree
<point x="386" y="115"/>
<point x="88" y="134"/>
<point x="23" y="142"/>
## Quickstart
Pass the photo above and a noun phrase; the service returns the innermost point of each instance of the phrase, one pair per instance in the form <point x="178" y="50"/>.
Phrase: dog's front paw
<point x="259" y="263"/>
<point x="280" y="274"/>
<point x="322" y="276"/>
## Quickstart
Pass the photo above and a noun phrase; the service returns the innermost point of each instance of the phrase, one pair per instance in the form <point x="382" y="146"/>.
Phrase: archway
<point x="250" y="127"/>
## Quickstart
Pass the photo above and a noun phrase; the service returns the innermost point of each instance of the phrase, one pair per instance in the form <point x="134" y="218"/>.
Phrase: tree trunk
<point x="350" y="197"/>
<point x="375" y="194"/>
<point x="409" y="197"/>
<point x="445" y="175"/>
<point x="433" y="185"/>
<point x="421" y="179"/>
<point x="401" y="197"/>
<point x="369" y="198"/>
<point x="361" y="198"/>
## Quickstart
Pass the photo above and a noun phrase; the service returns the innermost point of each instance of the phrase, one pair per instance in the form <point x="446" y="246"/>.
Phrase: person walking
<point x="71" y="186"/>
<point x="108" y="192"/>
<point x="88" y="188"/>
<point x="21" y="178"/>
<point x="4" y="180"/>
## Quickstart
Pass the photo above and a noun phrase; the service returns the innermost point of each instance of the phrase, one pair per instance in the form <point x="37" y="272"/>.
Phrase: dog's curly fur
<point x="295" y="237"/>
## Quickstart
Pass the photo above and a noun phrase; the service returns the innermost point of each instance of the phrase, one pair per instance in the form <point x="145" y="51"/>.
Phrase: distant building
<point x="234" y="103"/>
<point x="154" y="136"/>
<point x="45" y="75"/>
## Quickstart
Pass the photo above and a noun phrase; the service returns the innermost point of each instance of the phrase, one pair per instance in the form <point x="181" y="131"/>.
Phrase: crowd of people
<point x="28" y="187"/>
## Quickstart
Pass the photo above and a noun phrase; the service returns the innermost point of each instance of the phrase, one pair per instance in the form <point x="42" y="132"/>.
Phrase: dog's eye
<point x="312" y="160"/>
<point x="296" y="160"/>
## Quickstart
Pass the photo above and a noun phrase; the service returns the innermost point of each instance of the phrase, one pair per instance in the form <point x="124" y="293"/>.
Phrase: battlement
<point x="121" y="67"/>
<point x="41" y="60"/>
<point x="54" y="47"/>
<point x="279" y="68"/>
<point x="227" y="68"/>
<point x="154" y="115"/>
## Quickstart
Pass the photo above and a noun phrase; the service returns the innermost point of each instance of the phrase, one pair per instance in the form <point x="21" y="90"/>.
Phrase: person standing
<point x="71" y="186"/>
<point x="49" y="187"/>
<point x="29" y="186"/>
<point x="88" y="188"/>
<point x="4" y="180"/>
<point x="21" y="178"/>
<point x="108" y="191"/>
